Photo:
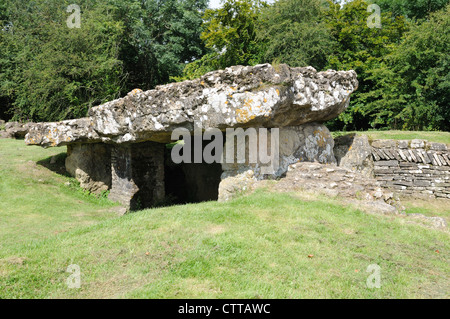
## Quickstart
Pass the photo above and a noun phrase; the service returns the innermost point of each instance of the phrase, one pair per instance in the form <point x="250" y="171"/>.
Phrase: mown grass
<point x="252" y="247"/>
<point x="36" y="203"/>
<point x="438" y="137"/>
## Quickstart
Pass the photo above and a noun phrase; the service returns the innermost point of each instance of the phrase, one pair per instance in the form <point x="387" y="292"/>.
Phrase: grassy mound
<point x="265" y="245"/>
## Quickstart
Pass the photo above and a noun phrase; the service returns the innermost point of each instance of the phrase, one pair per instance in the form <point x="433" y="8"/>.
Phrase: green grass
<point x="439" y="137"/>
<point x="252" y="247"/>
<point x="36" y="203"/>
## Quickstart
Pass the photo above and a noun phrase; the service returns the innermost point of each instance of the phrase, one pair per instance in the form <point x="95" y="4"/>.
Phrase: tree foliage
<point x="360" y="48"/>
<point x="294" y="32"/>
<point x="412" y="88"/>
<point x="52" y="72"/>
<point x="414" y="9"/>
<point x="160" y="36"/>
<point x="229" y="34"/>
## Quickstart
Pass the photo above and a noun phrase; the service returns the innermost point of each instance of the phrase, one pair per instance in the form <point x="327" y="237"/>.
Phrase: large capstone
<point x="259" y="96"/>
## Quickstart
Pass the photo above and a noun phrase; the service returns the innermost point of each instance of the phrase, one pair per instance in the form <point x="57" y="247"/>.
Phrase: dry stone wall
<point x="416" y="167"/>
<point x="412" y="167"/>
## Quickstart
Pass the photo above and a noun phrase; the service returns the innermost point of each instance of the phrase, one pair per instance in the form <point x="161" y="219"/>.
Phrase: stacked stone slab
<point x="413" y="167"/>
<point x="133" y="130"/>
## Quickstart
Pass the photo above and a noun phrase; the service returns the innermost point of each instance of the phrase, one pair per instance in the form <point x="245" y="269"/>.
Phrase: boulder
<point x="305" y="143"/>
<point x="232" y="186"/>
<point x="62" y="133"/>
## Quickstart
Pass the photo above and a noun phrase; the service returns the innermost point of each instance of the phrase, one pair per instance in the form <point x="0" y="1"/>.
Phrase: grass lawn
<point x="252" y="247"/>
<point x="439" y="137"/>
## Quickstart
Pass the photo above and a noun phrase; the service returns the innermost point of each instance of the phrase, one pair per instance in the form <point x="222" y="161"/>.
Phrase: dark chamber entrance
<point x="191" y="183"/>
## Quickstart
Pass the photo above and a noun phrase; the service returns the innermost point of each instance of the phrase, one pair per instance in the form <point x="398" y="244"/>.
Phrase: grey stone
<point x="417" y="143"/>
<point x="90" y="164"/>
<point x="387" y="163"/>
<point x="436" y="146"/>
<point x="16" y="130"/>
<point x="306" y="143"/>
<point x="137" y="175"/>
<point x="232" y="186"/>
<point x="384" y="144"/>
<point x="403" y="144"/>
<point x="354" y="152"/>
<point x="422" y="183"/>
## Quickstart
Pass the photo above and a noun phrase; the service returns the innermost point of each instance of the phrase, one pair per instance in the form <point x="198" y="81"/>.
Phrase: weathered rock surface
<point x="15" y="130"/>
<point x="354" y="152"/>
<point x="137" y="173"/>
<point x="259" y="96"/>
<point x="336" y="181"/>
<point x="232" y="186"/>
<point x="305" y="143"/>
<point x="329" y="180"/>
<point x="120" y="146"/>
<point x="90" y="164"/>
<point x="62" y="133"/>
<point x="417" y="168"/>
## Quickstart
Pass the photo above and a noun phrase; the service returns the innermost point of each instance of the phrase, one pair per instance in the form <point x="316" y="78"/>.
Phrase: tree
<point x="160" y="37"/>
<point x="413" y="84"/>
<point x="230" y="31"/>
<point x="7" y="53"/>
<point x="54" y="72"/>
<point x="360" y="48"/>
<point x="414" y="9"/>
<point x="294" y="32"/>
<point x="229" y="34"/>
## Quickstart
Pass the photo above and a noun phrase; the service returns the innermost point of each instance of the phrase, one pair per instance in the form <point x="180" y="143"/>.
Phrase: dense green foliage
<point x="294" y="33"/>
<point x="50" y="72"/>
<point x="362" y="49"/>
<point x="414" y="9"/>
<point x="413" y="83"/>
<point x="159" y="37"/>
<point x="230" y="35"/>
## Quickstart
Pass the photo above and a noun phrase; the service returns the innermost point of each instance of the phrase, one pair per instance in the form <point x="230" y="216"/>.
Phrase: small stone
<point x="417" y="144"/>
<point x="121" y="211"/>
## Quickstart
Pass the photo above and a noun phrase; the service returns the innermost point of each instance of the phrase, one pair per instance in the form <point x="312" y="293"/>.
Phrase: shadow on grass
<point x="56" y="164"/>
